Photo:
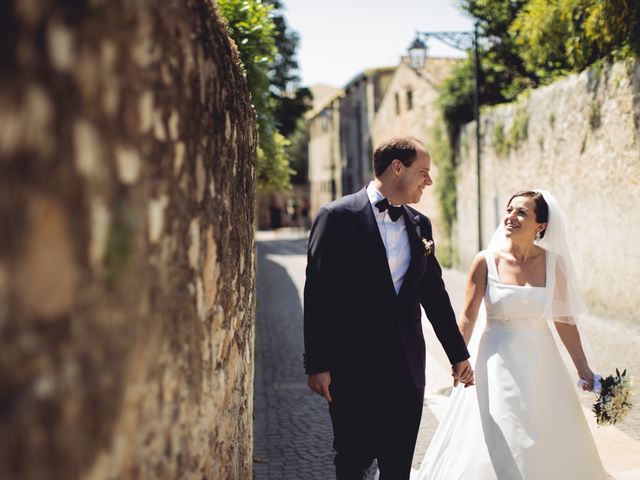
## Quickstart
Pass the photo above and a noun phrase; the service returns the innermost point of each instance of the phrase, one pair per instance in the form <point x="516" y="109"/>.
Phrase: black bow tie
<point x="394" y="212"/>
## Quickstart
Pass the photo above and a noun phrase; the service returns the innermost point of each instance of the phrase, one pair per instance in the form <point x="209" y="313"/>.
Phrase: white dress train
<point x="523" y="419"/>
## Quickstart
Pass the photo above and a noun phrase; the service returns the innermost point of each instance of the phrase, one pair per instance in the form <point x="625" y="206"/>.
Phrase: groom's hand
<point x="319" y="383"/>
<point x="462" y="373"/>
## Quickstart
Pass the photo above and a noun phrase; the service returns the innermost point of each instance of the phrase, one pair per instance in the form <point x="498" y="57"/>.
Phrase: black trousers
<point x="377" y="418"/>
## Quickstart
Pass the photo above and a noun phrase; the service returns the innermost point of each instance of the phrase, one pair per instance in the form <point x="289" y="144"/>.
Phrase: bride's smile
<point x="520" y="217"/>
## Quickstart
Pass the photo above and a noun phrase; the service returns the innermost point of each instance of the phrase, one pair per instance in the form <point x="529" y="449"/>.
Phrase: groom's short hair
<point x="401" y="148"/>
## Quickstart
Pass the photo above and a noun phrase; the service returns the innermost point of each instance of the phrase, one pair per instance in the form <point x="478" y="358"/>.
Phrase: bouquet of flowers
<point x="614" y="399"/>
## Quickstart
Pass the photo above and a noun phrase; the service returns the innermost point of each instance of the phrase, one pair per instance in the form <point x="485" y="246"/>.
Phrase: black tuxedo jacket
<point x="355" y="325"/>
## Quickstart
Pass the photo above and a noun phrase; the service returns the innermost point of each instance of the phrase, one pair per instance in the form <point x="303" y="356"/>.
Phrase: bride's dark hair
<point x="542" y="208"/>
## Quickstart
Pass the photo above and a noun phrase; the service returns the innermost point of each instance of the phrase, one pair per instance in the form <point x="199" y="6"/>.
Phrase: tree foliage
<point x="456" y="96"/>
<point x="525" y="43"/>
<point x="562" y="36"/>
<point x="251" y="27"/>
<point x="503" y="72"/>
<point x="290" y="101"/>
<point x="267" y="50"/>
<point x="298" y="151"/>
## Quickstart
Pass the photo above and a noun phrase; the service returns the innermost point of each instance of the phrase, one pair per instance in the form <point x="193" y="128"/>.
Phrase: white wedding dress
<point x="523" y="419"/>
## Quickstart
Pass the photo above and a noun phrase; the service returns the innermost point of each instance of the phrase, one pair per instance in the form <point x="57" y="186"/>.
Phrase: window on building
<point x="325" y="120"/>
<point x="409" y="99"/>
<point x="397" y="104"/>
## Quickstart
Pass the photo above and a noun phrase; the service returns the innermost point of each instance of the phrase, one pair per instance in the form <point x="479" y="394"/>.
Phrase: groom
<point x="371" y="264"/>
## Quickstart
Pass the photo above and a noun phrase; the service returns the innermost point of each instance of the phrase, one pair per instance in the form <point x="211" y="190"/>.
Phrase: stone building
<point x="358" y="108"/>
<point x="340" y="146"/>
<point x="376" y="105"/>
<point x="325" y="153"/>
<point x="409" y="108"/>
<point x="409" y="105"/>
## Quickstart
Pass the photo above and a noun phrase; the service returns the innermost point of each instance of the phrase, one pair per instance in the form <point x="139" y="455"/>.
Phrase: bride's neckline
<point x="518" y="286"/>
<point x="500" y="282"/>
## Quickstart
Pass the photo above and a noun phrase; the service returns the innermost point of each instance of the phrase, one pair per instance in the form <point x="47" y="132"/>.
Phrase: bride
<point x="523" y="421"/>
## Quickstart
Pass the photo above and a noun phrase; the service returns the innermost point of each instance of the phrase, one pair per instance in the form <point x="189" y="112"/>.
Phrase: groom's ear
<point x="396" y="166"/>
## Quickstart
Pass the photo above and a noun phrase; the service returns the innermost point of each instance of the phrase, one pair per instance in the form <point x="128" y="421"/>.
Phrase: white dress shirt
<point x="395" y="239"/>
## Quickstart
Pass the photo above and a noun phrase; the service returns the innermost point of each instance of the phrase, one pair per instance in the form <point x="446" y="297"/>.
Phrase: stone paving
<point x="292" y="428"/>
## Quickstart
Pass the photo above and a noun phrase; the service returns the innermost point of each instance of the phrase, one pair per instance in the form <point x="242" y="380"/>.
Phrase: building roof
<point x="321" y="92"/>
<point x="314" y="112"/>
<point x="369" y="72"/>
<point x="372" y="72"/>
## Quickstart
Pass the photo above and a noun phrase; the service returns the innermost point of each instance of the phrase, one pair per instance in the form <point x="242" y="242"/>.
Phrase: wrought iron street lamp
<point x="460" y="41"/>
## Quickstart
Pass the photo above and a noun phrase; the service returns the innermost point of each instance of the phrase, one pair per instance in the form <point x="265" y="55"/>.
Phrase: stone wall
<point x="127" y="146"/>
<point x="580" y="139"/>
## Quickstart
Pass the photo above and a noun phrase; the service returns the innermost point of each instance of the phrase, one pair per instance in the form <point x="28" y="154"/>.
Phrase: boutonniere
<point x="427" y="246"/>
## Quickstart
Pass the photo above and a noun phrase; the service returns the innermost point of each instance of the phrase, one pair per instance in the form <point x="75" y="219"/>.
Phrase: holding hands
<point x="462" y="373"/>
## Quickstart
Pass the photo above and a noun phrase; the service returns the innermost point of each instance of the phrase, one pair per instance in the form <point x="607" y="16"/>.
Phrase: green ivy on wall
<point x="445" y="188"/>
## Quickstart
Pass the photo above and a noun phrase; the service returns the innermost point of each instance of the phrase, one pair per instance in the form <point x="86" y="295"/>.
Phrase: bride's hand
<point x="586" y="378"/>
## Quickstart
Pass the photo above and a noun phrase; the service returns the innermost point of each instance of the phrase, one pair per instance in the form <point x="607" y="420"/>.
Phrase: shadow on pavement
<point x="292" y="429"/>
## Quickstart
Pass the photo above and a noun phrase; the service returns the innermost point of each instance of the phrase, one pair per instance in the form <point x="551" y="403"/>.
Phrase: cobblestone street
<point x="292" y="428"/>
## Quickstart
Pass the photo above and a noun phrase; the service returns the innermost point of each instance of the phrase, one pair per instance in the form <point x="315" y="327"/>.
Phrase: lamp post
<point x="460" y="41"/>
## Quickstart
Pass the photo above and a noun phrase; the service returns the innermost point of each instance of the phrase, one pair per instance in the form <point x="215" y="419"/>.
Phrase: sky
<point x="340" y="38"/>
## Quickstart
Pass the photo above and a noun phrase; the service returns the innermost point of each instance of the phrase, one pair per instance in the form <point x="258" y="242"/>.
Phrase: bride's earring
<point x="538" y="235"/>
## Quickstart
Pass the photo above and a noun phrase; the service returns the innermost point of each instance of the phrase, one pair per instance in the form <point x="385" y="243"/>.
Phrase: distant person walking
<point x="275" y="213"/>
<point x="304" y="211"/>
